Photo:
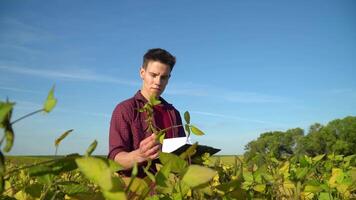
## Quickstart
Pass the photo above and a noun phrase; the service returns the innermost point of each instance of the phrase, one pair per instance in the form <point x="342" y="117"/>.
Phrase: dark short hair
<point x="161" y="55"/>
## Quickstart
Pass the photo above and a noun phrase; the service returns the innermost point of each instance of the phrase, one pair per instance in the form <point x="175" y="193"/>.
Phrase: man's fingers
<point x="151" y="151"/>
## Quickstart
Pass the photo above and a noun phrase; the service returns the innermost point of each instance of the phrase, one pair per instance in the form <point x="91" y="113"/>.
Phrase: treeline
<point x="338" y="137"/>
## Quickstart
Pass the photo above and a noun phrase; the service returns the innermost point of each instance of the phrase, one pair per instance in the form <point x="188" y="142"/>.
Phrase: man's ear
<point x="142" y="72"/>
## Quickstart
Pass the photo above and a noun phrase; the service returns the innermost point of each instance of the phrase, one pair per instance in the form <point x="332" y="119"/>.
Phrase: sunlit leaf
<point x="318" y="158"/>
<point x="189" y="152"/>
<point x="97" y="171"/>
<point x="154" y="101"/>
<point x="114" y="195"/>
<point x="301" y="173"/>
<point x="337" y="175"/>
<point x="196" y="131"/>
<point x="177" y="164"/>
<point x="197" y="175"/>
<point x="138" y="185"/>
<point x="325" y="196"/>
<point x="312" y="188"/>
<point x="259" y="187"/>
<point x="50" y="102"/>
<point x="91" y="148"/>
<point x="114" y="166"/>
<point x="60" y="138"/>
<point x="161" y="138"/>
<point x="5" y="109"/>
<point x="187" y="117"/>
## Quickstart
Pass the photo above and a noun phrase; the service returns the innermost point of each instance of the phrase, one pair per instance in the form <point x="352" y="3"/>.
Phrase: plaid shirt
<point x="128" y="126"/>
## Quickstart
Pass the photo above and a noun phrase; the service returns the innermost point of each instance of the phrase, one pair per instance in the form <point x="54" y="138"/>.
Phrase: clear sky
<point x="243" y="67"/>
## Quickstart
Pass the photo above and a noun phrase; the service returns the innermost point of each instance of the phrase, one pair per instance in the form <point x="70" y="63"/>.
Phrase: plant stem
<point x="25" y="116"/>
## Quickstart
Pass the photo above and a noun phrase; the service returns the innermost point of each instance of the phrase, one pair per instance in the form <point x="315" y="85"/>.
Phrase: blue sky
<point x="243" y="67"/>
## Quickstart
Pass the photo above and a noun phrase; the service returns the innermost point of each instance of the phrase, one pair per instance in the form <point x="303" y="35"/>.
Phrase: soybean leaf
<point x="91" y="148"/>
<point x="34" y="190"/>
<point x="73" y="188"/>
<point x="177" y="164"/>
<point x="114" y="166"/>
<point x="5" y="109"/>
<point x="312" y="188"/>
<point x="189" y="152"/>
<point x="259" y="187"/>
<point x="2" y="172"/>
<point x="114" y="195"/>
<point x="96" y="170"/>
<point x="9" y="135"/>
<point x="50" y="102"/>
<point x="197" y="175"/>
<point x="196" y="131"/>
<point x="39" y="170"/>
<point x="318" y="158"/>
<point x="187" y="117"/>
<point x="154" y="101"/>
<point x="137" y="185"/>
<point x="65" y="134"/>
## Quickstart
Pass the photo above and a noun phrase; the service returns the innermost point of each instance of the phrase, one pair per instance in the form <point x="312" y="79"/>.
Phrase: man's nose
<point x="158" y="80"/>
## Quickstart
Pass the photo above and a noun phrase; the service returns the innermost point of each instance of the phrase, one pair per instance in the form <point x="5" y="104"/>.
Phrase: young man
<point x="129" y="139"/>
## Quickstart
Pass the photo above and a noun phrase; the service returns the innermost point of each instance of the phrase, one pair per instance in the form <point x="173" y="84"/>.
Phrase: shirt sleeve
<point x="119" y="133"/>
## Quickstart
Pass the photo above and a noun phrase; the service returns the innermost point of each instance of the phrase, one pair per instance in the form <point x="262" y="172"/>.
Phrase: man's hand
<point x="149" y="148"/>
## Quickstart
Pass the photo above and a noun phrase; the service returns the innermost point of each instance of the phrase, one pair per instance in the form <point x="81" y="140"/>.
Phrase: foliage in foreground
<point x="88" y="177"/>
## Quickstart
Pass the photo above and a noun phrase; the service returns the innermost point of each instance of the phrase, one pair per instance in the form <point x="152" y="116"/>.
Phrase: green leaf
<point x="73" y="188"/>
<point x="301" y="173"/>
<point x="50" y="102"/>
<point x="312" y="188"/>
<point x="177" y="164"/>
<point x="91" y="148"/>
<point x="114" y="195"/>
<point x="97" y="171"/>
<point x="2" y="172"/>
<point x="196" y="131"/>
<point x="46" y="179"/>
<point x="60" y="138"/>
<point x="137" y="185"/>
<point x="134" y="170"/>
<point x="39" y="170"/>
<point x="34" y="190"/>
<point x="154" y="101"/>
<point x="5" y="109"/>
<point x="114" y="166"/>
<point x="318" y="158"/>
<point x="325" y="196"/>
<point x="187" y="117"/>
<point x="189" y="152"/>
<point x="259" y="187"/>
<point x="198" y="175"/>
<point x="9" y="135"/>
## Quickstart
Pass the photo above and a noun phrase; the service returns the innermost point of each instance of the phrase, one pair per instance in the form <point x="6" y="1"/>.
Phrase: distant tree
<point x="277" y="143"/>
<point x="338" y="136"/>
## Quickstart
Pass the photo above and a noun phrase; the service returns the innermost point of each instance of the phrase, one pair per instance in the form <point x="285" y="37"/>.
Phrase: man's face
<point x="155" y="78"/>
